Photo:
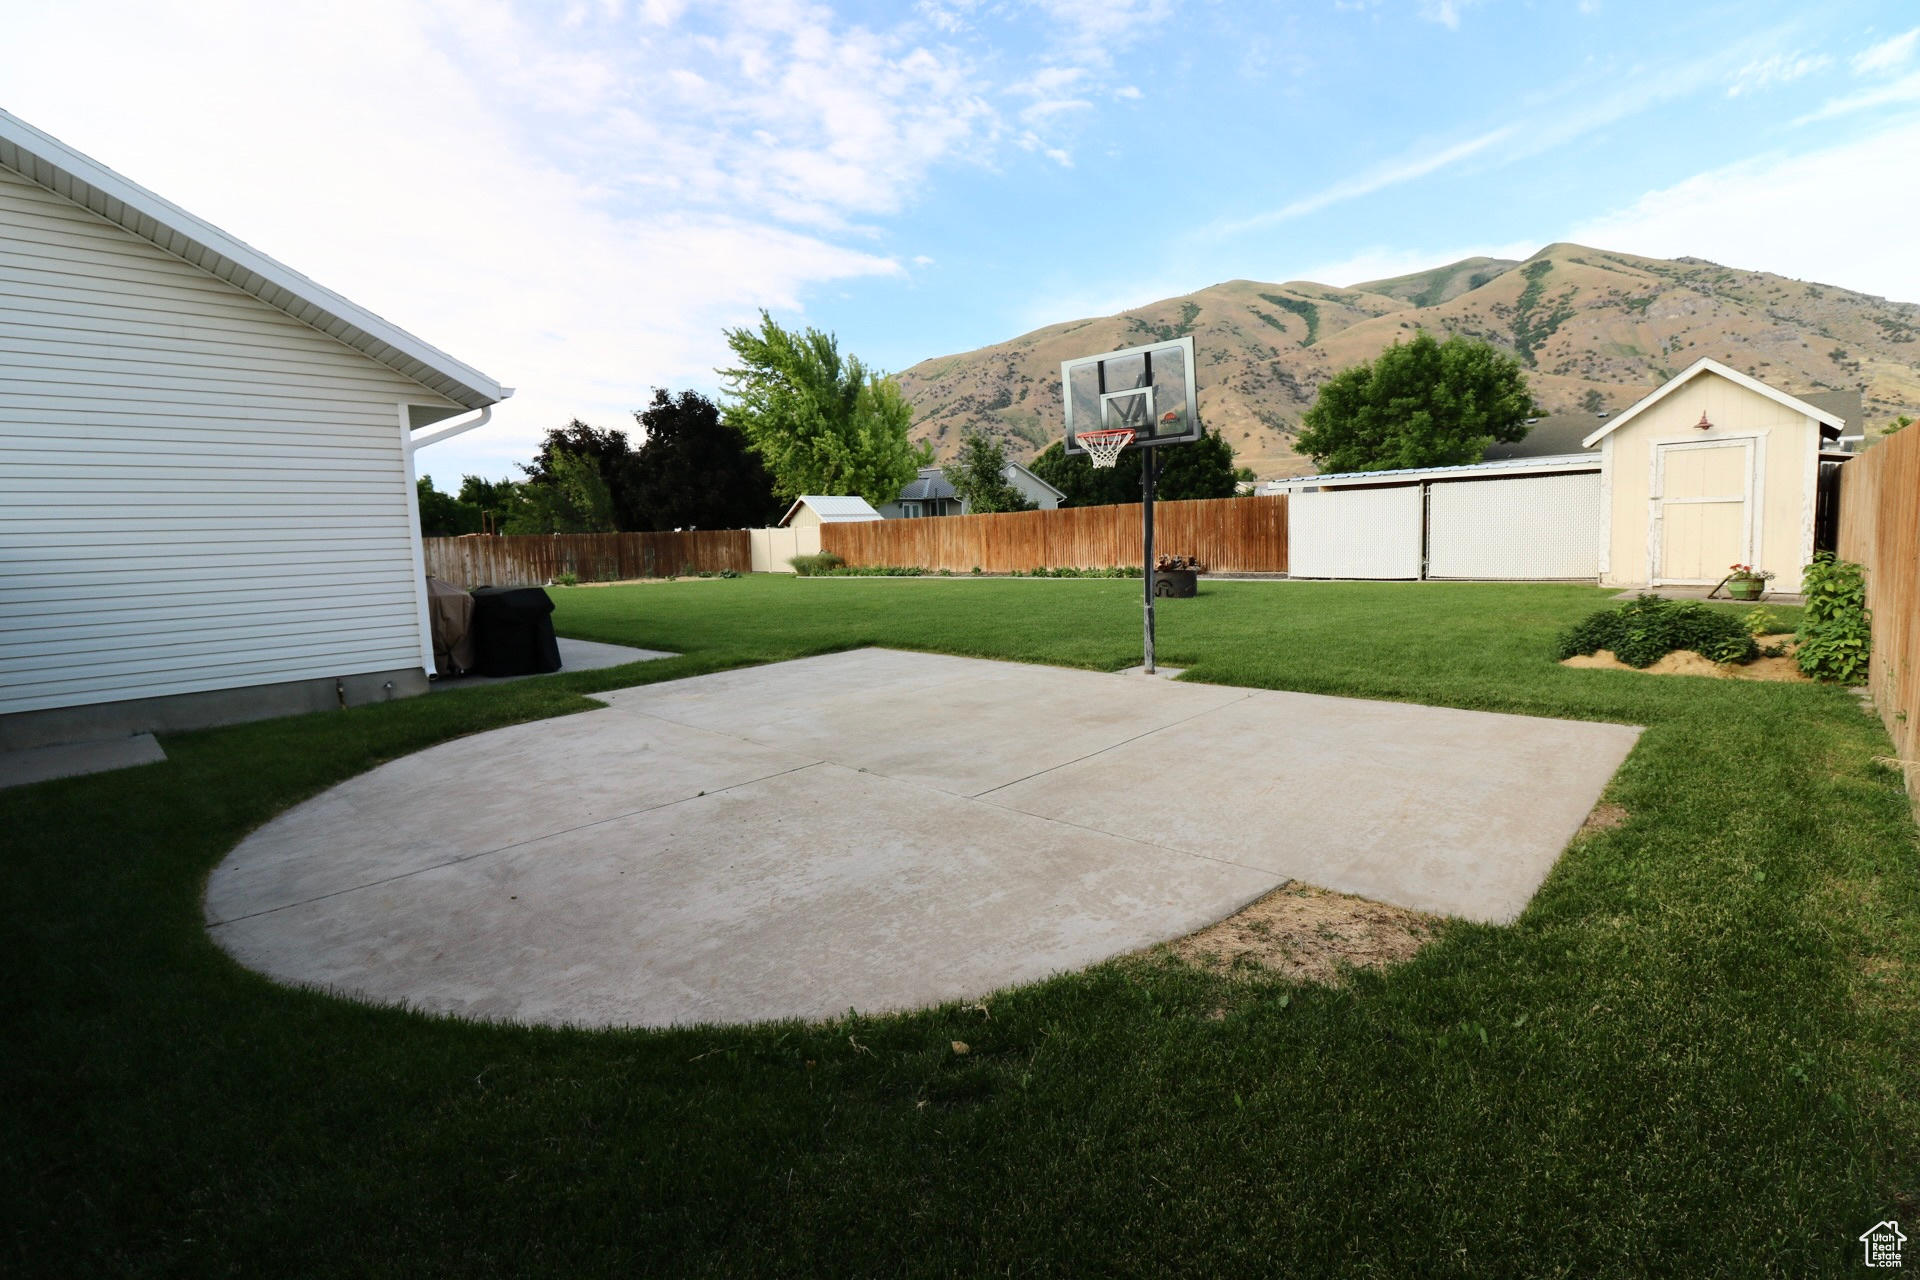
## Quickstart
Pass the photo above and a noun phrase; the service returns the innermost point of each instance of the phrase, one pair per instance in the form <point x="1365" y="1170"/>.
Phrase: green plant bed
<point x="1643" y="631"/>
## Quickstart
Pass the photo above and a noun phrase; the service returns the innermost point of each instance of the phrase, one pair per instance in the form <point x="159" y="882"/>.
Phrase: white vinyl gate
<point x="1526" y="528"/>
<point x="1354" y="533"/>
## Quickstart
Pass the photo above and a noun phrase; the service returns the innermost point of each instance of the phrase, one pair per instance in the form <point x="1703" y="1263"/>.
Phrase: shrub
<point x="1643" y="631"/>
<point x="567" y="579"/>
<point x="876" y="571"/>
<point x="1835" y="631"/>
<point x="818" y="562"/>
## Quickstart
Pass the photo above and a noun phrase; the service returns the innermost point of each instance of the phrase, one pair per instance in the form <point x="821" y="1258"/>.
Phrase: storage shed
<point x="1713" y="469"/>
<point x="207" y="505"/>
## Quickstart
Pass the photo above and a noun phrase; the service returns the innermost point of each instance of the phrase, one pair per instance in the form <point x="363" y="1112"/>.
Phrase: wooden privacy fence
<point x="1231" y="535"/>
<point x="1880" y="528"/>
<point x="591" y="557"/>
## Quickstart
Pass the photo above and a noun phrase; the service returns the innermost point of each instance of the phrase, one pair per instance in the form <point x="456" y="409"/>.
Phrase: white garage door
<point x="1533" y="528"/>
<point x="1354" y="533"/>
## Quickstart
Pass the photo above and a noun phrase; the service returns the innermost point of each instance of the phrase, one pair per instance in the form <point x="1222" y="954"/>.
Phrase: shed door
<point x="1701" y="495"/>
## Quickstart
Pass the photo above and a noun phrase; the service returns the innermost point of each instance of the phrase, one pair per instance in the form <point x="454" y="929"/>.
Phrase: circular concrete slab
<point x="878" y="830"/>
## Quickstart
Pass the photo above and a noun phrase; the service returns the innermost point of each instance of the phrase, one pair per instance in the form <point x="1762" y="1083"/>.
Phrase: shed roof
<point x="832" y="508"/>
<point x="1468" y="471"/>
<point x="45" y="160"/>
<point x="1707" y="364"/>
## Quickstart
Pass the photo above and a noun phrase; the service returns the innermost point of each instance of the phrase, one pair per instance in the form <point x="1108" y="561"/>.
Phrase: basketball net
<point x="1104" y="447"/>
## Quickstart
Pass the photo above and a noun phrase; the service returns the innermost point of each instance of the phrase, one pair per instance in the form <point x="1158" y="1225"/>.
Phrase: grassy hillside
<point x="1596" y="329"/>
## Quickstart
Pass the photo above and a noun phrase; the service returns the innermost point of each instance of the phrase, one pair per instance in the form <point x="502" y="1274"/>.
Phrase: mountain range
<point x="1594" y="329"/>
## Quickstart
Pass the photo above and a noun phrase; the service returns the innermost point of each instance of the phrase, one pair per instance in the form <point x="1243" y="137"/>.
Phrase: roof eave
<point x="47" y="162"/>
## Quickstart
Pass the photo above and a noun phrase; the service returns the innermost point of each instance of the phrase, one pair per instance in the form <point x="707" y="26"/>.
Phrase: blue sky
<point x="577" y="197"/>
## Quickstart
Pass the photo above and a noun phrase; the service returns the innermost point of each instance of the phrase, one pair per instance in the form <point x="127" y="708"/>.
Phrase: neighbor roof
<point x="930" y="484"/>
<point x="54" y="165"/>
<point x="1708" y="365"/>
<point x="1551" y="437"/>
<point x="832" y="508"/>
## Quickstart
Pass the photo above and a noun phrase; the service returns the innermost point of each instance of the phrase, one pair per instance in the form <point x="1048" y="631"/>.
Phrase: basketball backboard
<point x="1148" y="390"/>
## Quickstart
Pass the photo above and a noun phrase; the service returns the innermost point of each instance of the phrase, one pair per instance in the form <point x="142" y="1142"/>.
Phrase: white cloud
<point x="1906" y="89"/>
<point x="1416" y="164"/>
<point x="922" y="260"/>
<point x="1444" y="12"/>
<point x="1092" y="31"/>
<point x="1781" y="68"/>
<point x="1887" y="55"/>
<point x="532" y="195"/>
<point x="1059" y="156"/>
<point x="1573" y="110"/>
<point x="1798" y="215"/>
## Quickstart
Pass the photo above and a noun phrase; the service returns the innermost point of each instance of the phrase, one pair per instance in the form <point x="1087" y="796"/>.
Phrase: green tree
<point x="1425" y="404"/>
<point x="823" y="422"/>
<point x="1202" y="469"/>
<point x="570" y="498"/>
<point x="693" y="471"/>
<point x="612" y="460"/>
<point x="979" y="476"/>
<point x="443" y="515"/>
<point x="496" y="500"/>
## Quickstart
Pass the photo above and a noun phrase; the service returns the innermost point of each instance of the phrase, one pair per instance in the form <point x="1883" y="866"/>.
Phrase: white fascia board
<point x="50" y="163"/>
<point x="1432" y="475"/>
<point x="1706" y="364"/>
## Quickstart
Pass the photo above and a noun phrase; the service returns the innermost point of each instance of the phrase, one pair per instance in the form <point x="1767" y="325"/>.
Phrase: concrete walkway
<point x="881" y="830"/>
<point x="72" y="759"/>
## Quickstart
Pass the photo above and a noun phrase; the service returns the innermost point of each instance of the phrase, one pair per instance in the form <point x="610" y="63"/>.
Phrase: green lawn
<point x="1695" y="1054"/>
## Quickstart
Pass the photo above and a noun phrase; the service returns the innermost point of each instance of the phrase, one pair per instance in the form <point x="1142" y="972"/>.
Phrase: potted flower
<point x="1747" y="582"/>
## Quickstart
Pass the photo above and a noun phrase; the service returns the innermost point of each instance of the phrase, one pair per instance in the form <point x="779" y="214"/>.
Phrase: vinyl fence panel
<point x="1527" y="529"/>
<point x="1355" y="533"/>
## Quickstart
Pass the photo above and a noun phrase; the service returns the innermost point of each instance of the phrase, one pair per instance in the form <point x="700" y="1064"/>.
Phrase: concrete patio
<point x="882" y="830"/>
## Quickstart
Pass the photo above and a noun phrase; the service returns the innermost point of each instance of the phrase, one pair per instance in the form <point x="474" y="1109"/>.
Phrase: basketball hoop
<point x="1104" y="446"/>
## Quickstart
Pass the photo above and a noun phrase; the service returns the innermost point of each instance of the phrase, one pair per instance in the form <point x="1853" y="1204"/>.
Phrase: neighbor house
<point x="931" y="494"/>
<point x="207" y="505"/>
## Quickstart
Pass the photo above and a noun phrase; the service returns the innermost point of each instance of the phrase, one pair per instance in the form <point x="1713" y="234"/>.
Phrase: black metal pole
<point x="1148" y="465"/>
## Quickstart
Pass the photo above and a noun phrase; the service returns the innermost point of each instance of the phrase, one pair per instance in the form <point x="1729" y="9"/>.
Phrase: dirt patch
<point x="1605" y="817"/>
<point x="1685" y="662"/>
<point x="1309" y="935"/>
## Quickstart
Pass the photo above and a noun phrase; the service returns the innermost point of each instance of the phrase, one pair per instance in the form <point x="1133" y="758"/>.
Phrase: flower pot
<point x="1745" y="588"/>
<point x="1176" y="584"/>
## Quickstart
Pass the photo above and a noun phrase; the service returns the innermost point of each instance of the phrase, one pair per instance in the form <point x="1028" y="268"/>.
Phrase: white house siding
<point x="197" y="492"/>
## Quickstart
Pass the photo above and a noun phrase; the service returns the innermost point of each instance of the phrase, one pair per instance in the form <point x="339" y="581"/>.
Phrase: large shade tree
<point x="1422" y="404"/>
<point x="823" y="422"/>
<point x="562" y="491"/>
<point x="693" y="471"/>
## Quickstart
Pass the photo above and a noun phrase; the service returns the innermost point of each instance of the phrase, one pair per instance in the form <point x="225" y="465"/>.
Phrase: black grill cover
<point x="513" y="631"/>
